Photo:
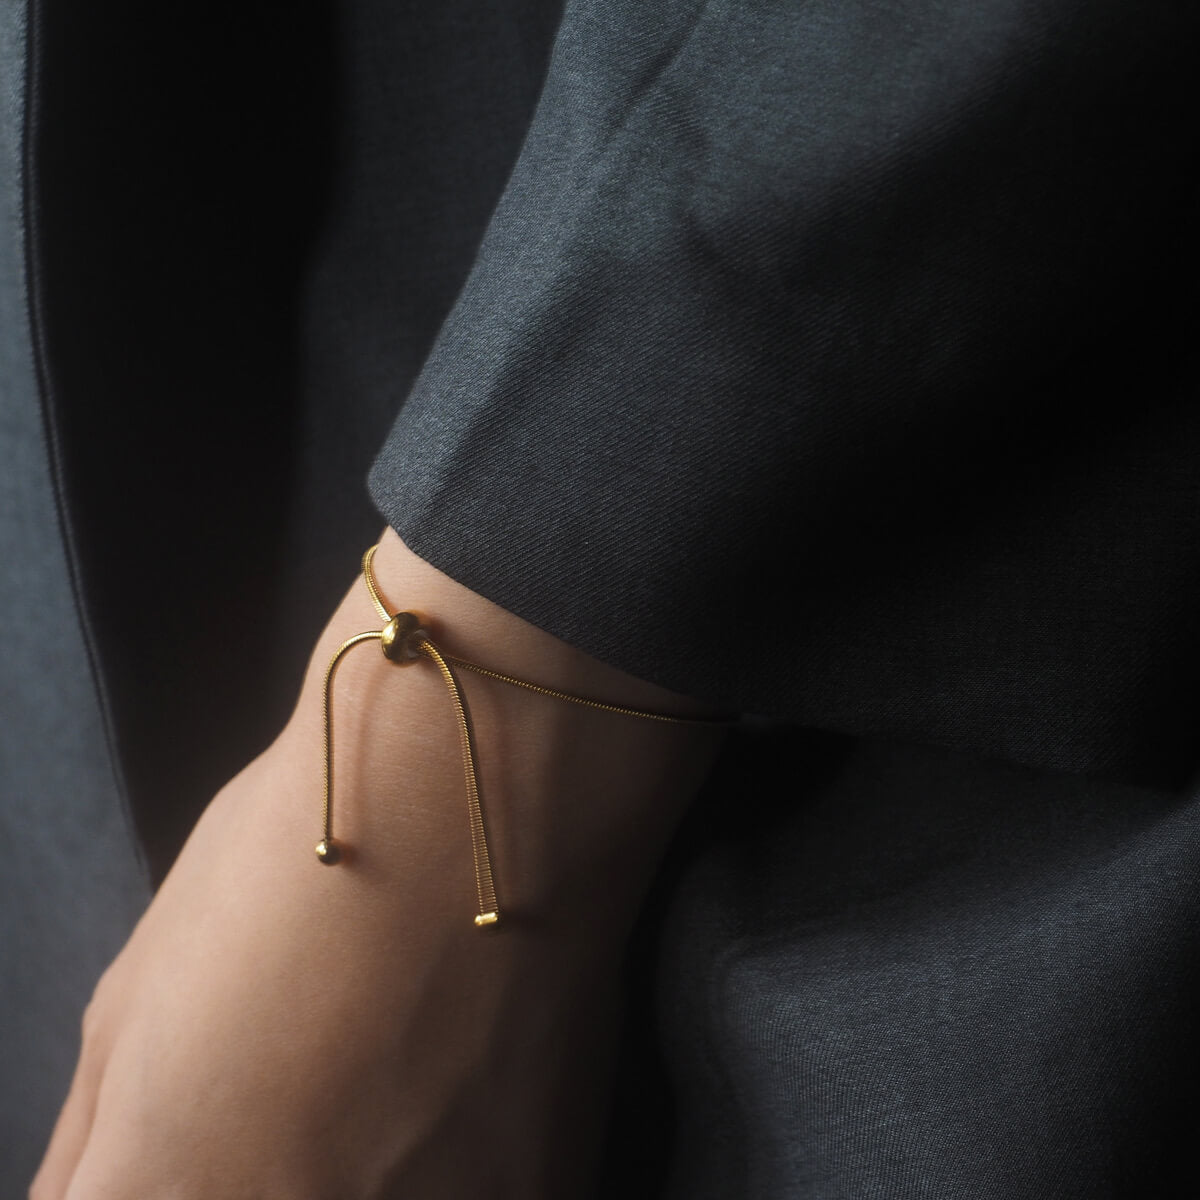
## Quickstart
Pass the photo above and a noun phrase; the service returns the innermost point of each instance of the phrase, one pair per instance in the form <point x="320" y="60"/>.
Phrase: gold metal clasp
<point x="401" y="638"/>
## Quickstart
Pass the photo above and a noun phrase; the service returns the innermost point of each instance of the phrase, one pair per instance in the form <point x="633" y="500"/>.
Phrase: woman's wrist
<point x="577" y="803"/>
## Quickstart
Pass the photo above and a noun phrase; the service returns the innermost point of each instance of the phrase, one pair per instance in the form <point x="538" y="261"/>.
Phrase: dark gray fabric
<point x="887" y="971"/>
<point x="278" y="213"/>
<point x="854" y="328"/>
<point x="72" y="885"/>
<point x="935" y="976"/>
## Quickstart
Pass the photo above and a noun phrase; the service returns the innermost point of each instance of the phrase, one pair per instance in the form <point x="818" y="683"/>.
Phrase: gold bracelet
<point x="404" y="641"/>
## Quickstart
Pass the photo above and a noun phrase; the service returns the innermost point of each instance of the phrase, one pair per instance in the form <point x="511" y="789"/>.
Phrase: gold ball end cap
<point x="328" y="852"/>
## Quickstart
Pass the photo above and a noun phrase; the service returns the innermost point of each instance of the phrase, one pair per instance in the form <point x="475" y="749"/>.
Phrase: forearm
<point x="281" y="1027"/>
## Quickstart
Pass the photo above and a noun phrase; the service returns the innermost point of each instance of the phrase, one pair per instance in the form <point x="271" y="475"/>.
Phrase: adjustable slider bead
<point x="400" y="638"/>
<point x="328" y="852"/>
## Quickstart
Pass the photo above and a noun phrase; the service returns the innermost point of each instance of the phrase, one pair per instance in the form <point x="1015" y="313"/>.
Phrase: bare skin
<point x="275" y="1028"/>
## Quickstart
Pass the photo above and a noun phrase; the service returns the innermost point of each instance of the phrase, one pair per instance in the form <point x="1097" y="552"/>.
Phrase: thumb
<point x="72" y="1128"/>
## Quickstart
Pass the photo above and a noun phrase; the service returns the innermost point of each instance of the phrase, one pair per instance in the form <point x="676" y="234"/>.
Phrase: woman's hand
<point x="280" y="1028"/>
